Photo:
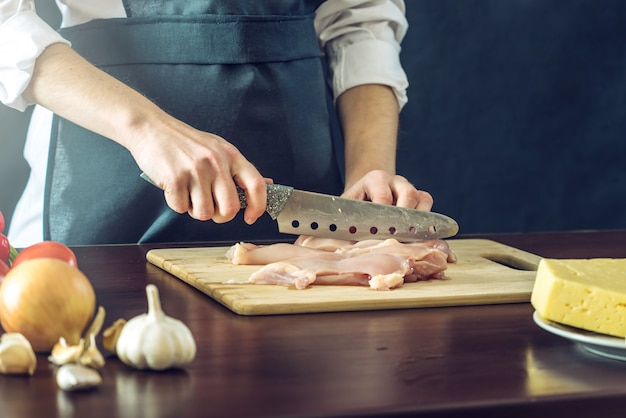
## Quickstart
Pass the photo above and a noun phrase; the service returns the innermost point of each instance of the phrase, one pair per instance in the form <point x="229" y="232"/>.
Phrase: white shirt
<point x="361" y="39"/>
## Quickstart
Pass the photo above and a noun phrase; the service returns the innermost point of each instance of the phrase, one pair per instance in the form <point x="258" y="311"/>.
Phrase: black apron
<point x="250" y="71"/>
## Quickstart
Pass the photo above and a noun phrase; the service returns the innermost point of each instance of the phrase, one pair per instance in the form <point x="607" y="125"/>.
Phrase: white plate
<point x="602" y="345"/>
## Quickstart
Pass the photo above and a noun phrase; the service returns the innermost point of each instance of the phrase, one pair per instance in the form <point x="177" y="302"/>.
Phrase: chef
<point x="202" y="96"/>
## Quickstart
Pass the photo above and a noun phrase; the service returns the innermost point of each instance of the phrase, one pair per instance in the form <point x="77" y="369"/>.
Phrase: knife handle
<point x="277" y="196"/>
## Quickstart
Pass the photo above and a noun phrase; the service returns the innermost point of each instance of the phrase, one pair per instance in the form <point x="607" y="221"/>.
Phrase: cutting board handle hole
<point x="511" y="262"/>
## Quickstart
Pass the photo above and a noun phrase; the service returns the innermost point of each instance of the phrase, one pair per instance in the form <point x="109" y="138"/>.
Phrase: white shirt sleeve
<point x="23" y="37"/>
<point x="361" y="39"/>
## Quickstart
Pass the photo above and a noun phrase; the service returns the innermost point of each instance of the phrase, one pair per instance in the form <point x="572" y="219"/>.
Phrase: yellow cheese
<point x="586" y="293"/>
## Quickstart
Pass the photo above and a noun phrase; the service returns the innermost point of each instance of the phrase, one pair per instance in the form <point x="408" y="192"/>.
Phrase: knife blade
<point x="301" y="212"/>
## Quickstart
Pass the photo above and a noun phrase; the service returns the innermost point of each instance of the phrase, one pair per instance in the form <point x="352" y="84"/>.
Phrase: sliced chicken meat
<point x="381" y="264"/>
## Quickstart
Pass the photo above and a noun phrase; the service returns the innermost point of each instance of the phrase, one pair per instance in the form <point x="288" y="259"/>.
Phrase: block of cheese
<point x="583" y="293"/>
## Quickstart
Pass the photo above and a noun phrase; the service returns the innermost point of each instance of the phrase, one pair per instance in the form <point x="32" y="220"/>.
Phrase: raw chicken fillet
<point x="379" y="264"/>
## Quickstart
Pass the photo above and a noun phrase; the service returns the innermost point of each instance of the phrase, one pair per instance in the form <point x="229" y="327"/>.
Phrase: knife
<point x="301" y="212"/>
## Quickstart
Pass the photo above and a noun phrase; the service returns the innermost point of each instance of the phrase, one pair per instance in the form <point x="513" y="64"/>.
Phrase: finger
<point x="226" y="200"/>
<point x="408" y="196"/>
<point x="254" y="188"/>
<point x="202" y="205"/>
<point x="425" y="201"/>
<point x="376" y="188"/>
<point x="355" y="192"/>
<point x="177" y="196"/>
<point x="414" y="199"/>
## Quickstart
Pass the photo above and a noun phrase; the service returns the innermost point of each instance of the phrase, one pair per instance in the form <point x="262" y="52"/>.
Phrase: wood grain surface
<point x="486" y="272"/>
<point x="486" y="361"/>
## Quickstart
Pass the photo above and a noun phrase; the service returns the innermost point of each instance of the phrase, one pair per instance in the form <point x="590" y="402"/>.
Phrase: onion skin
<point x="45" y="299"/>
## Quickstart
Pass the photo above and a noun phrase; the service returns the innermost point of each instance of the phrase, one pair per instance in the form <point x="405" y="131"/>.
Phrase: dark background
<point x="516" y="114"/>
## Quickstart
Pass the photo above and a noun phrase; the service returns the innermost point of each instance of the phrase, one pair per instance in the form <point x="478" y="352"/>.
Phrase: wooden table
<point x="488" y="361"/>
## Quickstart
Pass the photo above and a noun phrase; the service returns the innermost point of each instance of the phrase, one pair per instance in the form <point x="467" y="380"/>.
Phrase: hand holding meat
<point x="380" y="187"/>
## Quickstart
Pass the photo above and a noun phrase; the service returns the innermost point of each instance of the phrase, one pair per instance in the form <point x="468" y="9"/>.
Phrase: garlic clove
<point x="92" y="357"/>
<point x="96" y="325"/>
<point x="63" y="353"/>
<point x="72" y="377"/>
<point x="111" y="334"/>
<point x="16" y="355"/>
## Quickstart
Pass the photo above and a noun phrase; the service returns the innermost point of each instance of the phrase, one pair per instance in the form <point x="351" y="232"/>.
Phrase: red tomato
<point x="5" y="249"/>
<point x="47" y="249"/>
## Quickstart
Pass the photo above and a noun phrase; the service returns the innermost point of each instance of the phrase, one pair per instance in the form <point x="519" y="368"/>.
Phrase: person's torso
<point x="248" y="71"/>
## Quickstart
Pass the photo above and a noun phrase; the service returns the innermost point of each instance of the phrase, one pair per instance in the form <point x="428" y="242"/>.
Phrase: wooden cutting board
<point x="486" y="272"/>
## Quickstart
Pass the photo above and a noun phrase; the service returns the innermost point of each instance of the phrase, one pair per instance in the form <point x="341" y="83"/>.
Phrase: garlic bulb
<point x="77" y="377"/>
<point x="16" y="355"/>
<point x="155" y="340"/>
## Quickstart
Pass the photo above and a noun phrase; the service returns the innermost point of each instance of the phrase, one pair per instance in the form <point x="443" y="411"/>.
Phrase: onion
<point x="45" y="299"/>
